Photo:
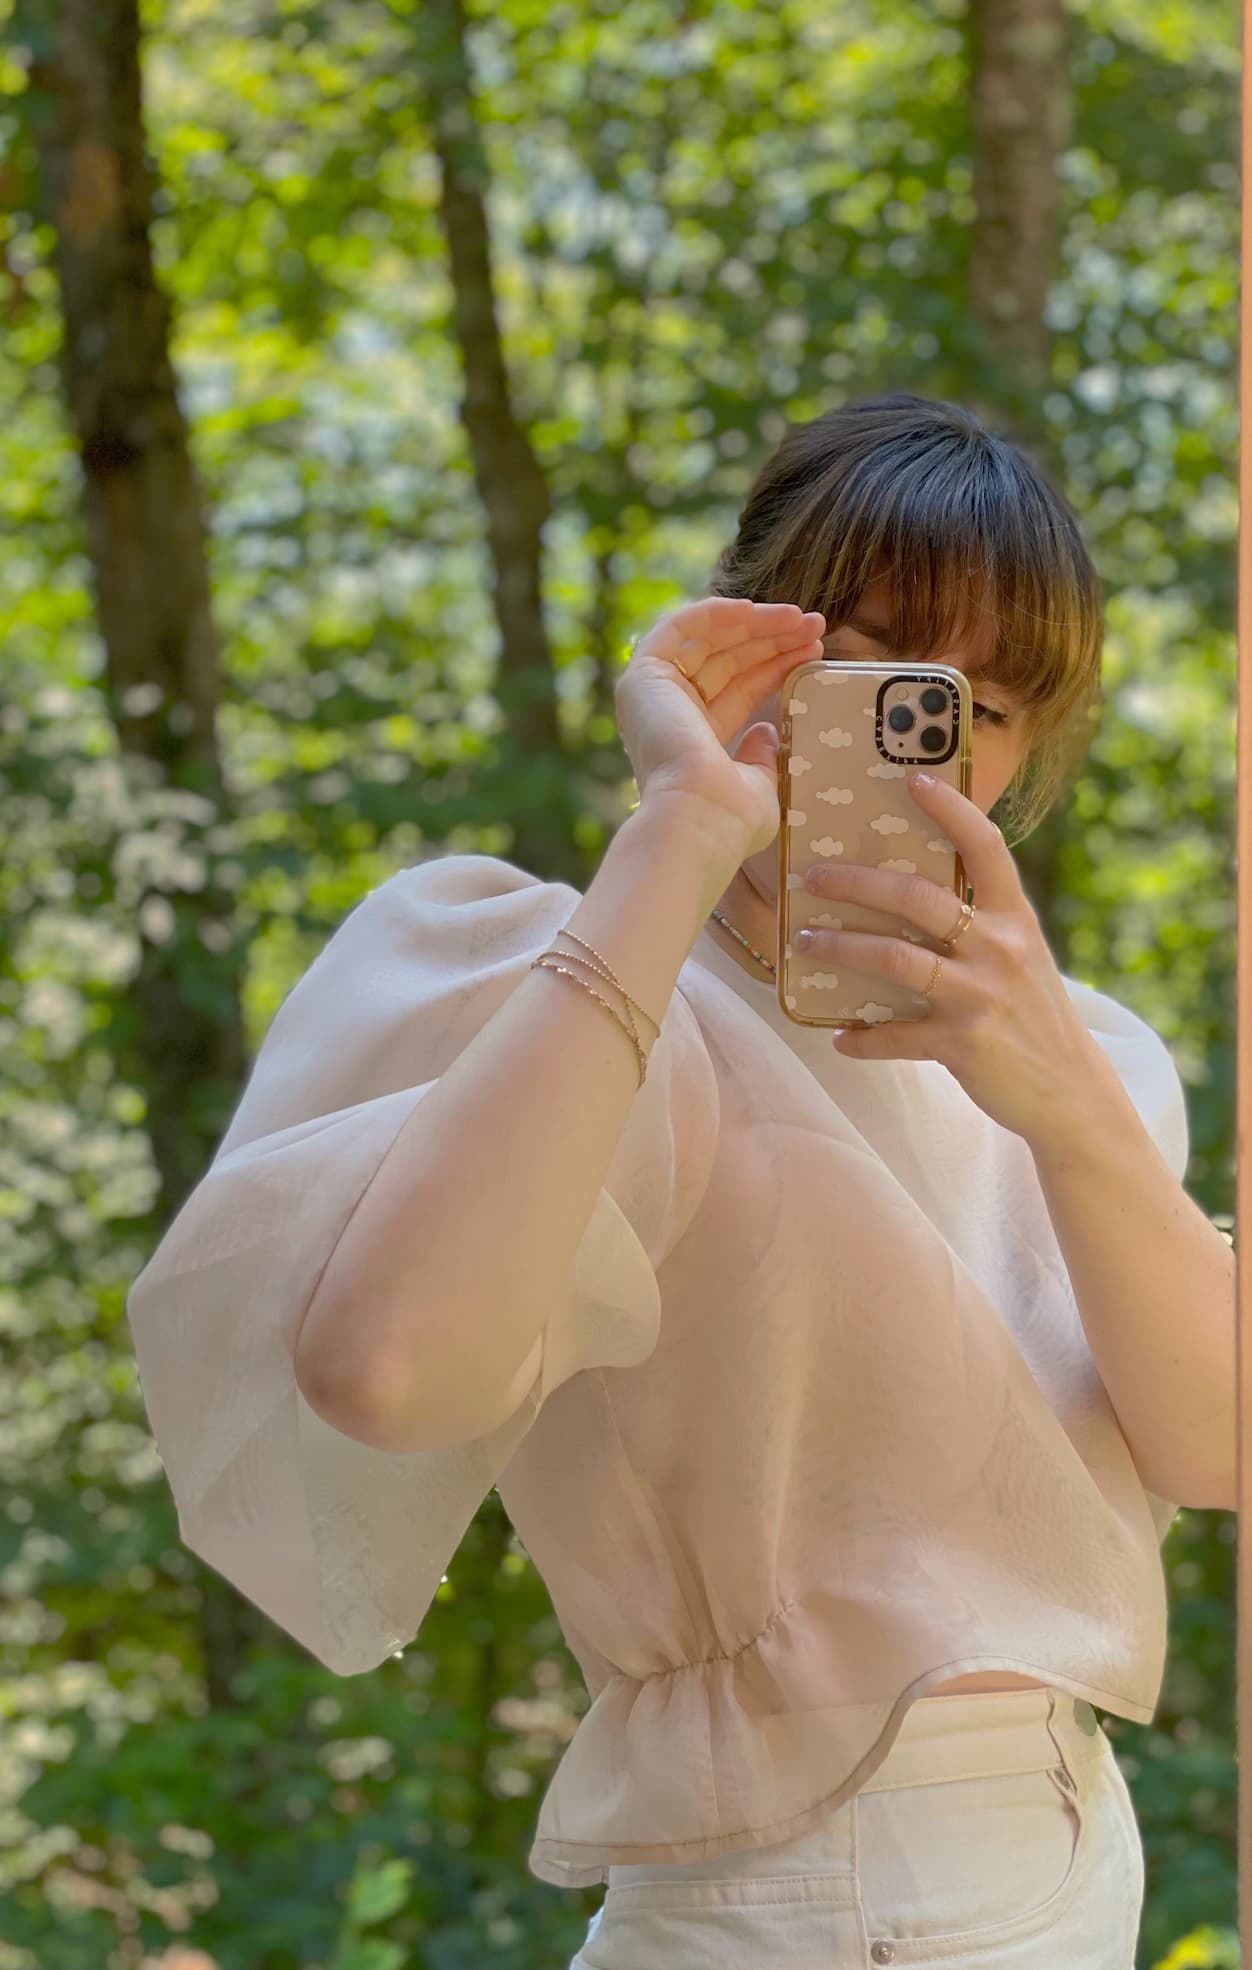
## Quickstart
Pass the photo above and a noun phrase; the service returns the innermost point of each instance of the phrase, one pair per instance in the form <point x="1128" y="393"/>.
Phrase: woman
<point x="772" y="1349"/>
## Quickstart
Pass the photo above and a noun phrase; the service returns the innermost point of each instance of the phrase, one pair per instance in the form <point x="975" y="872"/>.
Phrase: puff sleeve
<point x="342" y="1545"/>
<point x="1145" y="1066"/>
<point x="1149" y="1074"/>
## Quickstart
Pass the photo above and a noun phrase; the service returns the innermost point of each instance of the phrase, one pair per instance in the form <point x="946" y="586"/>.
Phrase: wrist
<point x="1090" y="1119"/>
<point x="688" y="825"/>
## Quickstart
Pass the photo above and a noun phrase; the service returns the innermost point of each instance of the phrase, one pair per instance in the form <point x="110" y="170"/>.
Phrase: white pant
<point x="997" y="1834"/>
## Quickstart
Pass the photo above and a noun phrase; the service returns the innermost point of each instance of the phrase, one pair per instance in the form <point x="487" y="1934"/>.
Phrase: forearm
<point x="1155" y="1286"/>
<point x="426" y="1326"/>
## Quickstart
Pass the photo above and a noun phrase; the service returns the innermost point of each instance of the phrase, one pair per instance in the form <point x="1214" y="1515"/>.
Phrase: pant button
<point x="883" y="1953"/>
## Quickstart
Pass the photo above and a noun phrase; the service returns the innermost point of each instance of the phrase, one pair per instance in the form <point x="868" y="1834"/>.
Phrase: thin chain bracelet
<point x="606" y="971"/>
<point x="550" y="963"/>
<point x="630" y="1026"/>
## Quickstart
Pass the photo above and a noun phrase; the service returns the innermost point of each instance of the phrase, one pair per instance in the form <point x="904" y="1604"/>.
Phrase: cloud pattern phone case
<point x="846" y="801"/>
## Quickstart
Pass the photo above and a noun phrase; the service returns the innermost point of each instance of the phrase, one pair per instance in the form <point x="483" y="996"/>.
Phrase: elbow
<point x="398" y="1412"/>
<point x="344" y="1408"/>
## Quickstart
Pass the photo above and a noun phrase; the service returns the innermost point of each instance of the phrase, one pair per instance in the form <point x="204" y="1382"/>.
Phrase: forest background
<point x="371" y="372"/>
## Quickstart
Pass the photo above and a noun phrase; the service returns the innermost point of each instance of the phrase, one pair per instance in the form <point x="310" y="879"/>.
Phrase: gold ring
<point x="690" y="679"/>
<point x="967" y="917"/>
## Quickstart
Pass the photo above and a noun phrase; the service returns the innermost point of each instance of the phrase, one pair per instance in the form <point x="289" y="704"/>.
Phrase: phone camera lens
<point x="934" y="698"/>
<point x="933" y="739"/>
<point x="900" y="718"/>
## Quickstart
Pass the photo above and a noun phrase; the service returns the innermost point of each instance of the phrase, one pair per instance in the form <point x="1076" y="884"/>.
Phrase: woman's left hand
<point x="1001" y="1020"/>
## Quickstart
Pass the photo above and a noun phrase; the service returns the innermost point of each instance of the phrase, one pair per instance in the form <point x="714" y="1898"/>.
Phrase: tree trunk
<point x="177" y="1027"/>
<point x="1022" y="112"/>
<point x="532" y="772"/>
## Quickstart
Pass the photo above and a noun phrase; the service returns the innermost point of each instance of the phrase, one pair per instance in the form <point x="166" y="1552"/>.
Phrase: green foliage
<point x="701" y="228"/>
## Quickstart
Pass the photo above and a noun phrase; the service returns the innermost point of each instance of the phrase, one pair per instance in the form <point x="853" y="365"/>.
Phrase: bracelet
<point x="598" y="963"/>
<point x="605" y="970"/>
<point x="549" y="961"/>
<point x="629" y="1022"/>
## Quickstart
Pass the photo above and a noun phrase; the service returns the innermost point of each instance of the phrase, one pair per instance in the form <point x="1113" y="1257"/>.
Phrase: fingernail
<point x="805" y="939"/>
<point x="921" y="780"/>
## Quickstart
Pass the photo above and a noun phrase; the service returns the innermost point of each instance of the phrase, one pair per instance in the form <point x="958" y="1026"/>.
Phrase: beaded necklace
<point x="726" y="925"/>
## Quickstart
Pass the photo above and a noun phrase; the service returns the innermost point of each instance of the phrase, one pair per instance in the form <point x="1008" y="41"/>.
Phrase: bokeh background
<point x="371" y="372"/>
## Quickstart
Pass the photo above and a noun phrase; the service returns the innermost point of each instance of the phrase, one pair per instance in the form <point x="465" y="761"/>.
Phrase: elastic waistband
<point x="989" y="1732"/>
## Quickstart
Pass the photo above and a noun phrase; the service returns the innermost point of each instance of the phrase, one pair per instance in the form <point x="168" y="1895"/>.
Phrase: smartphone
<point x="850" y="733"/>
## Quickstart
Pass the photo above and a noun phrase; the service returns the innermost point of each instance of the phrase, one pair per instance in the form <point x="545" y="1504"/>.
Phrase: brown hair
<point x="959" y="521"/>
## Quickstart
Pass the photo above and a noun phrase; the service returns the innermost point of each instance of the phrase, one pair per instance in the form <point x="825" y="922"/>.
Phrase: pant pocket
<point x="966" y="1859"/>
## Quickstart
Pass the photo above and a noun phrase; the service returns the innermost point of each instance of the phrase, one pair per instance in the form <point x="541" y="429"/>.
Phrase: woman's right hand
<point x="676" y="734"/>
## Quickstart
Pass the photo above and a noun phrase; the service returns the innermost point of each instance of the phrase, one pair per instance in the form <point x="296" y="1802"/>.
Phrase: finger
<point x="989" y="865"/>
<point x="926" y="905"/>
<point x="723" y="646"/>
<point x="737" y="649"/>
<point x="745" y="691"/>
<point x="741" y="679"/>
<point x="730" y="620"/>
<point x="886" y="1039"/>
<point x="861" y="950"/>
<point x="732" y="695"/>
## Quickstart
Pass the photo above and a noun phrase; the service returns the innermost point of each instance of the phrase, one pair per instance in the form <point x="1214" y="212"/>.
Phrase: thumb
<point x="759" y="747"/>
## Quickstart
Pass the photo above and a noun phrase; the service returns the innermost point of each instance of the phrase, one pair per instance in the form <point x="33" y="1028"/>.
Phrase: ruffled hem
<point x="739" y="1746"/>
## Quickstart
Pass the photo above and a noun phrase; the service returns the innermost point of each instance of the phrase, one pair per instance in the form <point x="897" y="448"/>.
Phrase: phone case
<point x="844" y="795"/>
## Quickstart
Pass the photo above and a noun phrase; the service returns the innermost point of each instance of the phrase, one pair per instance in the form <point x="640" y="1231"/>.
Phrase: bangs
<point x="960" y="537"/>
